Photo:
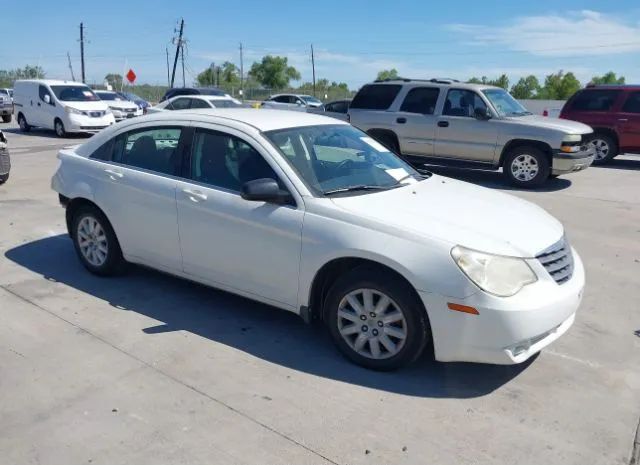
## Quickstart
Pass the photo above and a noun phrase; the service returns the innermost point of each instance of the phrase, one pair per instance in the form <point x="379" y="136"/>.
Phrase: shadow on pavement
<point x="495" y="179"/>
<point x="274" y="335"/>
<point x="622" y="164"/>
<point x="46" y="133"/>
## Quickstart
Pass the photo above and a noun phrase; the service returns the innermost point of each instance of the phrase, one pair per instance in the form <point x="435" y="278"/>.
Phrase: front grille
<point x="96" y="114"/>
<point x="558" y="261"/>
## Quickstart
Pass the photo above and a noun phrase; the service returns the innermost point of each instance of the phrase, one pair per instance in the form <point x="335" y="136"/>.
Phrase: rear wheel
<point x="606" y="148"/>
<point x="376" y="320"/>
<point x="95" y="242"/>
<point x="4" y="178"/>
<point x="526" y="167"/>
<point x="22" y="122"/>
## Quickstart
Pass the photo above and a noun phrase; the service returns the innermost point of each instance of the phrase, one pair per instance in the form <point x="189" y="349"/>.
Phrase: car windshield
<point x="132" y="97"/>
<point x="310" y="99"/>
<point x="220" y="103"/>
<point x="338" y="159"/>
<point x="504" y="103"/>
<point x="109" y="96"/>
<point x="4" y="92"/>
<point x="74" y="93"/>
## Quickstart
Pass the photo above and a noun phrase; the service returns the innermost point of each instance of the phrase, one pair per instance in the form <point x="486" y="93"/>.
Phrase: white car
<point x="120" y="107"/>
<point x="307" y="213"/>
<point x="299" y="102"/>
<point x="63" y="106"/>
<point x="196" y="102"/>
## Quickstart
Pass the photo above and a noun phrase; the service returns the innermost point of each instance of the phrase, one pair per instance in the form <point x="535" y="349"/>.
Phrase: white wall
<point x="539" y="106"/>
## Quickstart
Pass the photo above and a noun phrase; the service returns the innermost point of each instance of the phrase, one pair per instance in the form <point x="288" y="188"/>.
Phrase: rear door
<point x="459" y="135"/>
<point x="415" y="122"/>
<point x="136" y="188"/>
<point x="629" y="122"/>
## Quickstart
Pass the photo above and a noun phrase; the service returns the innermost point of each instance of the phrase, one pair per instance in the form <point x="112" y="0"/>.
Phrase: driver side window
<point x="462" y="103"/>
<point x="43" y="91"/>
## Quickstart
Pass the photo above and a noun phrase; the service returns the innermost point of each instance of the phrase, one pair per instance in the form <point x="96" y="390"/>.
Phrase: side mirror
<point x="263" y="190"/>
<point x="299" y="103"/>
<point x="482" y="113"/>
<point x="47" y="99"/>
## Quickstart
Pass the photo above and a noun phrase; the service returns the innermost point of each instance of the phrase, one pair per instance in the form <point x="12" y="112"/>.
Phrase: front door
<point x="240" y="245"/>
<point x="629" y="122"/>
<point x="459" y="135"/>
<point x="136" y="188"/>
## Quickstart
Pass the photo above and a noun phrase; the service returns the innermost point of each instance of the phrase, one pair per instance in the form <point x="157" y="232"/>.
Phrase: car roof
<point x="437" y="82"/>
<point x="612" y="86"/>
<point x="53" y="82"/>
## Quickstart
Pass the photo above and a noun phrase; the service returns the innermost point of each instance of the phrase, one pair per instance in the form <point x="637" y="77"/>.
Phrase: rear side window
<point x="197" y="103"/>
<point x="42" y="91"/>
<point x="595" y="100"/>
<point x="376" y="96"/>
<point x="632" y="105"/>
<point x="181" y="104"/>
<point x="150" y="149"/>
<point x="421" y="100"/>
<point x="103" y="152"/>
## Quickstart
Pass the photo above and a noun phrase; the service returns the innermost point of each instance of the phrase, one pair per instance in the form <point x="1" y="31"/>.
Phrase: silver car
<point x="299" y="102"/>
<point x="444" y="121"/>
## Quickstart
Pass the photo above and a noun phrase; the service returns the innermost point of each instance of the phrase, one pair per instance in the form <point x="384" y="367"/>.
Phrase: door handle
<point x="401" y="120"/>
<point x="114" y="174"/>
<point x="624" y="120"/>
<point x="195" y="196"/>
<point x="39" y="104"/>
<point x="443" y="124"/>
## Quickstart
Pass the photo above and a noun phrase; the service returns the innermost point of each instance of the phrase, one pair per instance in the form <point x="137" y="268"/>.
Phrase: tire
<point x="388" y="140"/>
<point x="606" y="148"/>
<point x="58" y="127"/>
<point x="414" y="327"/>
<point x="22" y="122"/>
<point x="4" y="178"/>
<point x="526" y="167"/>
<point x="107" y="260"/>
<point x="6" y="118"/>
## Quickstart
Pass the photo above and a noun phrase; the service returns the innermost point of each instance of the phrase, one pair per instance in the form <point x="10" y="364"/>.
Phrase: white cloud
<point x="581" y="33"/>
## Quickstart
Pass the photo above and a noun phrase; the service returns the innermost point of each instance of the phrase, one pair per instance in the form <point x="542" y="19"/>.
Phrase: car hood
<point x="564" y="125"/>
<point x="121" y="104"/>
<point x="96" y="105"/>
<point x="460" y="213"/>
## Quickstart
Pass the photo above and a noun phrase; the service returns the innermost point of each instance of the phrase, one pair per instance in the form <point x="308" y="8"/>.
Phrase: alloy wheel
<point x="524" y="167"/>
<point x="601" y="147"/>
<point x="372" y="324"/>
<point x="92" y="241"/>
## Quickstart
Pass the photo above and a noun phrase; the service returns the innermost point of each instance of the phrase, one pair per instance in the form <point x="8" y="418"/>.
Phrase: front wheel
<point x="526" y="167"/>
<point x="4" y="178"/>
<point x="22" y="122"/>
<point x="96" y="243"/>
<point x="6" y="118"/>
<point x="606" y="148"/>
<point x="376" y="319"/>
<point x="59" y="128"/>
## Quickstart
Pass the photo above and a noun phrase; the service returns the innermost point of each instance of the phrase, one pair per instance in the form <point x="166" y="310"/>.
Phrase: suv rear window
<point x="632" y="105"/>
<point x="594" y="100"/>
<point x="376" y="96"/>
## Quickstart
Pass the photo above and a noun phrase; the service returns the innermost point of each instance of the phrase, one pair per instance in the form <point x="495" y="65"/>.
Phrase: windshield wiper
<point x="360" y="187"/>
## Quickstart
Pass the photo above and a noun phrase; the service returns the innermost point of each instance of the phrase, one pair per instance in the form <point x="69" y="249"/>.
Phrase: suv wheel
<point x="95" y="242"/>
<point x="606" y="148"/>
<point x="376" y="320"/>
<point x="22" y="122"/>
<point x="526" y="167"/>
<point x="6" y="118"/>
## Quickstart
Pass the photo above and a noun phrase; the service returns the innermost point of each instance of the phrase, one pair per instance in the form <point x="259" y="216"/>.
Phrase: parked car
<point x="336" y="109"/>
<point x="119" y="106"/>
<point x="142" y="103"/>
<point x="291" y="102"/>
<point x="311" y="215"/>
<point x="196" y="101"/>
<point x="63" y="106"/>
<point x="5" y="160"/>
<point x="6" y="105"/>
<point x="175" y="91"/>
<point x="614" y="114"/>
<point x="470" y="125"/>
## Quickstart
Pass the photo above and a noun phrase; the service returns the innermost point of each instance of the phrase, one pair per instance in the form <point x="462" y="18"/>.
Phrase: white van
<point x="63" y="106"/>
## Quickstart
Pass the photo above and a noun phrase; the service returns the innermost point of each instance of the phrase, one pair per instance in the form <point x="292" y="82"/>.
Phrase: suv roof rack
<point x="434" y="80"/>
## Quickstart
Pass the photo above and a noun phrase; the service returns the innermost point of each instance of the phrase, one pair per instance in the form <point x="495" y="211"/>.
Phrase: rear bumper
<point x="564" y="163"/>
<point x="509" y="330"/>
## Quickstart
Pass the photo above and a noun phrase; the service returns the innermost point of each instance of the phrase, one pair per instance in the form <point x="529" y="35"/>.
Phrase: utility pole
<point x="218" y="76"/>
<point x="73" y="78"/>
<point x="168" y="78"/>
<point x="241" y="73"/>
<point x="182" y="56"/>
<point x="82" y="50"/>
<point x="178" y="48"/>
<point x="313" y="67"/>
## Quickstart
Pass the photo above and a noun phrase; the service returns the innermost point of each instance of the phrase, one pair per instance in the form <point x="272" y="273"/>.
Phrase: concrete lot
<point x="149" y="369"/>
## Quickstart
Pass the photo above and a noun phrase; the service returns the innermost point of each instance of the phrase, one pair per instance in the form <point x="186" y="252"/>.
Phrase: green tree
<point x="388" y="74"/>
<point x="502" y="81"/>
<point x="114" y="80"/>
<point x="526" y="88"/>
<point x="206" y="78"/>
<point x="559" y="86"/>
<point x="475" y="80"/>
<point x="7" y="77"/>
<point x="608" y="78"/>
<point x="229" y="75"/>
<point x="274" y="72"/>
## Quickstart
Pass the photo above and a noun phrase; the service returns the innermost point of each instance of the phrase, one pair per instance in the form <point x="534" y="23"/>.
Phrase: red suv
<point x="614" y="114"/>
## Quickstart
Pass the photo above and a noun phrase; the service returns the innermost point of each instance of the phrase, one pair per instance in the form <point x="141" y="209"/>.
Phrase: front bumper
<point x="6" y="110"/>
<point x="82" y="123"/>
<point x="564" y="163"/>
<point x="507" y="330"/>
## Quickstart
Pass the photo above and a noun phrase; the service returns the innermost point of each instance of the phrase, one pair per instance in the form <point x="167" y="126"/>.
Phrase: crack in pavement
<point x="169" y="376"/>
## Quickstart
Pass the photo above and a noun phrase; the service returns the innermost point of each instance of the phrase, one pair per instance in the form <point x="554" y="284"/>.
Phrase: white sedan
<point x="196" y="102"/>
<point x="120" y="107"/>
<point x="309" y="214"/>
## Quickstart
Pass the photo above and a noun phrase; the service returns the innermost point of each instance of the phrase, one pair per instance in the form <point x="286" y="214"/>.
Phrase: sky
<point x="353" y="39"/>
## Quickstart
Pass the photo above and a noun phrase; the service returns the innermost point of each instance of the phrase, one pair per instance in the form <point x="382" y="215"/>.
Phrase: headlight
<point x="572" y="138"/>
<point x="73" y="111"/>
<point x="495" y="274"/>
<point x="108" y="111"/>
